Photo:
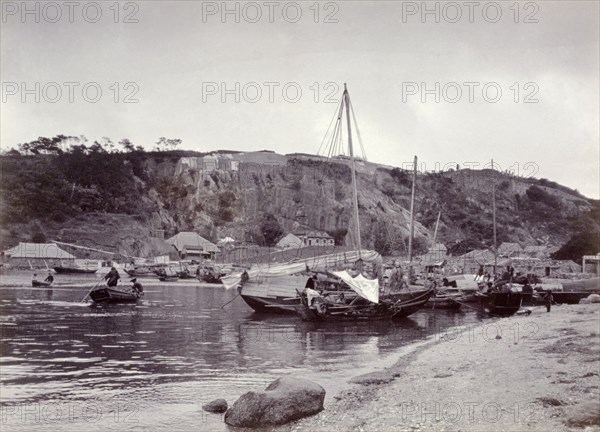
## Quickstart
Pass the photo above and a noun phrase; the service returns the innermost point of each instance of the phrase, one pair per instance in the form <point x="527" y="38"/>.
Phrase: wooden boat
<point x="165" y="278"/>
<point x="37" y="283"/>
<point x="111" y="295"/>
<point x="273" y="294"/>
<point x="363" y="310"/>
<point x="139" y="271"/>
<point x="564" y="297"/>
<point x="211" y="279"/>
<point x="74" y="270"/>
<point x="272" y="288"/>
<point x="501" y="303"/>
<point x="442" y="301"/>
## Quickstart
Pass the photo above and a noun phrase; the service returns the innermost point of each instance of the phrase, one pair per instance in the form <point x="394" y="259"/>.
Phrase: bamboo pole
<point x="494" y="218"/>
<point x="412" y="220"/>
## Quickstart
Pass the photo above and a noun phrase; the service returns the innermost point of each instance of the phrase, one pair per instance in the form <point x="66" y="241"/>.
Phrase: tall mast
<point x="354" y="185"/>
<point x="412" y="218"/>
<point x="436" y="227"/>
<point x="494" y="217"/>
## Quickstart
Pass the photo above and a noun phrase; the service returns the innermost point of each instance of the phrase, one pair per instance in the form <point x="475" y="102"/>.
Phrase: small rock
<point x="216" y="406"/>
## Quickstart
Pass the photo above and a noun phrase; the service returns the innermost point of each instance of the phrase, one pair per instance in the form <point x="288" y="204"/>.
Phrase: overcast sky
<point x="177" y="50"/>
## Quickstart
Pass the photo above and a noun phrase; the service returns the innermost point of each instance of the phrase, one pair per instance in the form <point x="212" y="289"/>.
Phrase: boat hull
<point x="397" y="305"/>
<point x="442" y="303"/>
<point x="275" y="305"/>
<point x="567" y="297"/>
<point x="109" y="295"/>
<point x="210" y="279"/>
<point x="35" y="283"/>
<point x="168" y="278"/>
<point x="276" y="295"/>
<point x="74" y="270"/>
<point x="501" y="303"/>
<point x="139" y="272"/>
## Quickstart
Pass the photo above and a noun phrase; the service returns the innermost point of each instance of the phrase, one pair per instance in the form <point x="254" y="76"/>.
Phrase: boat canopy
<point x="366" y="288"/>
<point x="322" y="263"/>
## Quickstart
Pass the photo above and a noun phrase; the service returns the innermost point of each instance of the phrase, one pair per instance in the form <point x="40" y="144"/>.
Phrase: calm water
<point x="66" y="365"/>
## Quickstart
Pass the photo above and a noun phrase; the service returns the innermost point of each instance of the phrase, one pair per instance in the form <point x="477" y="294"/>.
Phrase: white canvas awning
<point x="366" y="288"/>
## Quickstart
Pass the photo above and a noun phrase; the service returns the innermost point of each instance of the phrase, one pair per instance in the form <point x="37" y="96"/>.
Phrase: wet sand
<point x="536" y="373"/>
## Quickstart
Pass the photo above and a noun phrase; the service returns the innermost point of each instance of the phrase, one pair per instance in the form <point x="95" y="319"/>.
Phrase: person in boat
<point x="112" y="277"/>
<point x="49" y="278"/>
<point x="397" y="278"/>
<point x="245" y="277"/>
<point x="137" y="287"/>
<point x="341" y="299"/>
<point x="548" y="300"/>
<point x="311" y="282"/>
<point x="34" y="277"/>
<point x="479" y="275"/>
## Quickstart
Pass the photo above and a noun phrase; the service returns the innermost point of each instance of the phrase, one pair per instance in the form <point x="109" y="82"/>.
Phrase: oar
<point x="97" y="283"/>
<point x="230" y="301"/>
<point x="467" y="305"/>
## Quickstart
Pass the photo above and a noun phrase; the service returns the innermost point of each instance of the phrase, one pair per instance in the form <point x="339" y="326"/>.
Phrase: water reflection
<point x="164" y="357"/>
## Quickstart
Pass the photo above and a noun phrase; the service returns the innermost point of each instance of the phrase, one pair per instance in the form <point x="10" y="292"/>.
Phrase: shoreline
<point x="537" y="373"/>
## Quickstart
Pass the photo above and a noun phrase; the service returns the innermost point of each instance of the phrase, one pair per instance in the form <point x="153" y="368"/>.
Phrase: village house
<point x="314" y="238"/>
<point x="190" y="245"/>
<point x="289" y="241"/>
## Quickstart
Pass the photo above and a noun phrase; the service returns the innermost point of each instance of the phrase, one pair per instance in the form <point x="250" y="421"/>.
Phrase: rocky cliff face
<point x="230" y="194"/>
<point x="308" y="192"/>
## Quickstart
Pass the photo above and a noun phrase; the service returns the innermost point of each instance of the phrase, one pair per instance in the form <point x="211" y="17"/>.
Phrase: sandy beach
<point x="524" y="373"/>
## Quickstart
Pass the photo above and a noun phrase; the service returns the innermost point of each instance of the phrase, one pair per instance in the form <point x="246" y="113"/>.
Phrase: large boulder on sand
<point x="286" y="399"/>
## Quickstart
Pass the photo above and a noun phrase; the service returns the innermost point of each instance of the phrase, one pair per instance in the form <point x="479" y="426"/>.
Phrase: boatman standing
<point x="112" y="277"/>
